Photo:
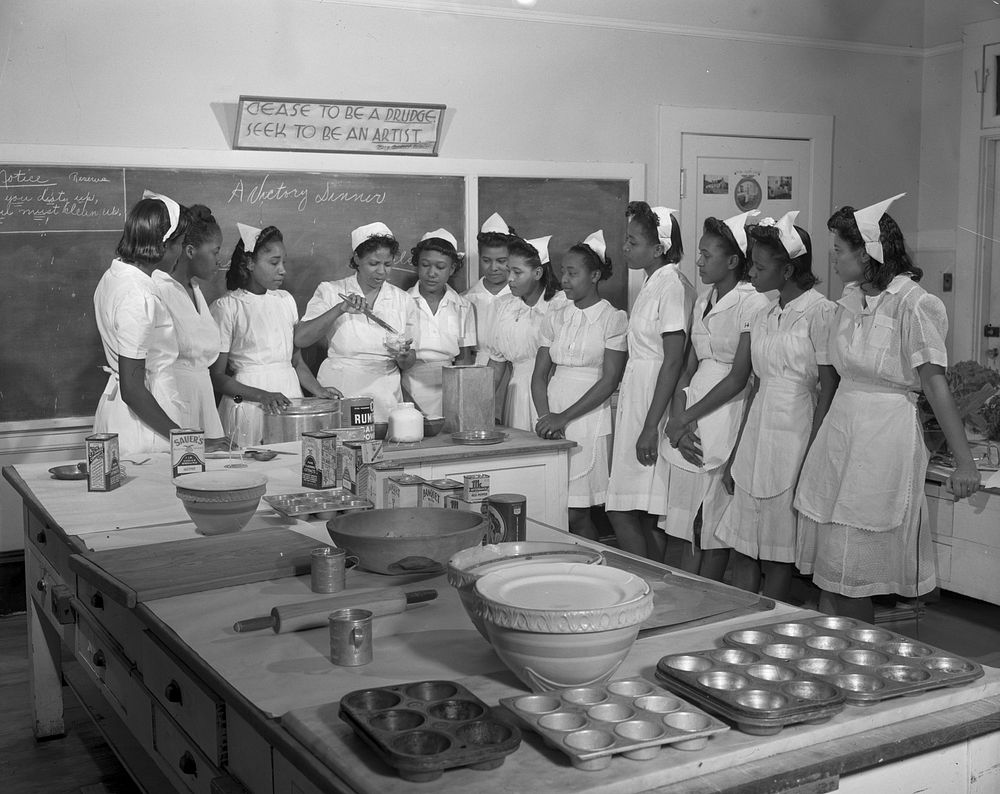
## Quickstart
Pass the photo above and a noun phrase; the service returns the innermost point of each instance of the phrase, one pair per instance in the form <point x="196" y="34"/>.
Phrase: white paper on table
<point x="993" y="481"/>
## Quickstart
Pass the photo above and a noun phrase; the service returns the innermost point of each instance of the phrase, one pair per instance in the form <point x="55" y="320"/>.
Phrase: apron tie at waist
<point x="579" y="374"/>
<point x="846" y="385"/>
<point x="258" y="369"/>
<point x="113" y="379"/>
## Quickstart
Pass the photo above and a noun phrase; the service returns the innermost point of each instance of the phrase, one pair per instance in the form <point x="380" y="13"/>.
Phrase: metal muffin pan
<point x="425" y="727"/>
<point x="324" y="504"/>
<point x="760" y="695"/>
<point x="631" y="717"/>
<point x="869" y="664"/>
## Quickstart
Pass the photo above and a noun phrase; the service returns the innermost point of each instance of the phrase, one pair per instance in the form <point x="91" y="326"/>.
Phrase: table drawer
<point x="249" y="754"/>
<point x="181" y="759"/>
<point x="195" y="707"/>
<point x="105" y="665"/>
<point x="117" y="619"/>
<point x="289" y="780"/>
<point x="49" y="542"/>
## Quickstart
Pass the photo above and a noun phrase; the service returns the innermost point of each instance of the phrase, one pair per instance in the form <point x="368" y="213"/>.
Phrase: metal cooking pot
<point x="307" y="413"/>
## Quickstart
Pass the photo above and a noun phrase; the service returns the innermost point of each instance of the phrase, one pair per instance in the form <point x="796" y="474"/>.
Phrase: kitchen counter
<point x="192" y="706"/>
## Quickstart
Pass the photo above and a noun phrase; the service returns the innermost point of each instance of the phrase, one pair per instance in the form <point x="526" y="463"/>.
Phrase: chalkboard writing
<point x="55" y="247"/>
<point x="337" y="126"/>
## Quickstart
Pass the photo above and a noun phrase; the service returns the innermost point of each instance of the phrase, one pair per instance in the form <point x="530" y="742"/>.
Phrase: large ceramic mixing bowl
<point x="402" y="540"/>
<point x="558" y="625"/>
<point x="466" y="567"/>
<point x="220" y="501"/>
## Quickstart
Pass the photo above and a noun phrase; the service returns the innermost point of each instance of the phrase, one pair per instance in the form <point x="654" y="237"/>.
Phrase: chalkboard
<point x="59" y="227"/>
<point x="569" y="210"/>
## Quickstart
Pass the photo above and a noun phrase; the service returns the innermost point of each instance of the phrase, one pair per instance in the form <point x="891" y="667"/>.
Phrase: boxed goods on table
<point x="456" y="502"/>
<point x="354" y="459"/>
<point x="378" y="482"/>
<point x="475" y="487"/>
<point x="319" y="459"/>
<point x="434" y="492"/>
<point x="187" y="451"/>
<point x="403" y="490"/>
<point x="104" y="471"/>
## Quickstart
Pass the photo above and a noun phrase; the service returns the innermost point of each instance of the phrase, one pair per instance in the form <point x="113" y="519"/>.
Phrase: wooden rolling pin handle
<point x="419" y="596"/>
<point x="254" y="624"/>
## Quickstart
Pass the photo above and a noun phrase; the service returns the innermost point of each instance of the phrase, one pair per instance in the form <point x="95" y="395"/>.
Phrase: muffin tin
<point x="322" y="504"/>
<point x="631" y="717"/>
<point x="867" y="663"/>
<point x="423" y="728"/>
<point x="760" y="695"/>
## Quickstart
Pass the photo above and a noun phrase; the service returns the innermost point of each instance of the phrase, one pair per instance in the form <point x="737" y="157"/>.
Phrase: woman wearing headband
<point x="362" y="357"/>
<point x="707" y="432"/>
<point x="863" y="527"/>
<point x="577" y="368"/>
<point x="141" y="401"/>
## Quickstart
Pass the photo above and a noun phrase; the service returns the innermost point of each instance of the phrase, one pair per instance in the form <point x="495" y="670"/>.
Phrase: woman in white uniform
<point x="197" y="333"/>
<point x="256" y="320"/>
<point x="706" y="431"/>
<point x="792" y="392"/>
<point x="445" y="329"/>
<point x="863" y="525"/>
<point x="517" y="328"/>
<point x="493" y="264"/>
<point x="362" y="357"/>
<point x="141" y="402"/>
<point x="657" y="330"/>
<point x="577" y="368"/>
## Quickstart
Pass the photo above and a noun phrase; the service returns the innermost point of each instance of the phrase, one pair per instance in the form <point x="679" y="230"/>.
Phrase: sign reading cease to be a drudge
<point x="317" y="125"/>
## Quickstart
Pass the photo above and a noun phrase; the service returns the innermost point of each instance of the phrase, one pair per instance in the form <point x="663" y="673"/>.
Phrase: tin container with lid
<point x="305" y="414"/>
<point x="403" y="490"/>
<point x="434" y="492"/>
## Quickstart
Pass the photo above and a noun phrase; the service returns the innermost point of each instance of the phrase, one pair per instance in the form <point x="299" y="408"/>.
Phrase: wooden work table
<point x="190" y="705"/>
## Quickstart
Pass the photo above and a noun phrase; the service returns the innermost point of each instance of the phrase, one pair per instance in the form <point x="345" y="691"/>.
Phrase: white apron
<point x="244" y="422"/>
<point x="424" y="383"/>
<point x="135" y="437"/>
<point x="568" y="384"/>
<point x="519" y="409"/>
<point x="198" y="407"/>
<point x="365" y="377"/>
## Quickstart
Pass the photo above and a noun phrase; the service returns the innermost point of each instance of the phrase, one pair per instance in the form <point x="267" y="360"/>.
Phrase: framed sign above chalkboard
<point x="338" y="125"/>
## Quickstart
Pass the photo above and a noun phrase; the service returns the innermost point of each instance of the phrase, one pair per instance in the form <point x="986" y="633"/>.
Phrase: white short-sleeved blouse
<point x="578" y="337"/>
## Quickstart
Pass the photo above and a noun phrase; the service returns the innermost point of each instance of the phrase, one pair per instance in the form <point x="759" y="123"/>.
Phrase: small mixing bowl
<point x="220" y="501"/>
<point x="432" y="425"/>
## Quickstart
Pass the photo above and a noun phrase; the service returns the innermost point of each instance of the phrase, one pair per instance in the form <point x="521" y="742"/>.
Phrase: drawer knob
<point x="188" y="765"/>
<point x="173" y="693"/>
<point x="99" y="660"/>
<point x="97" y="601"/>
<point x="40" y="585"/>
<point x="40" y="538"/>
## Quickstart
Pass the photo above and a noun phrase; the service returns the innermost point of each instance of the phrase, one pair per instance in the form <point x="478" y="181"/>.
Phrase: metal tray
<point x="425" y="727"/>
<point x="868" y="663"/>
<point x="324" y="503"/>
<point x="759" y="695"/>
<point x="478" y="437"/>
<point x="631" y="717"/>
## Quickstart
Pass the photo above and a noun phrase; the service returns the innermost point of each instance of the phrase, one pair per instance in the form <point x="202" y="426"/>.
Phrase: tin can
<point x="456" y="502"/>
<point x="378" y="481"/>
<point x="187" y="450"/>
<point x="476" y="487"/>
<point x="104" y="471"/>
<point x="328" y="573"/>
<point x="351" y="637"/>
<point x="354" y="459"/>
<point x="357" y="411"/>
<point x="508" y="518"/>
<point x="359" y="433"/>
<point x="433" y="492"/>
<point x="403" y="490"/>
<point x="319" y="459"/>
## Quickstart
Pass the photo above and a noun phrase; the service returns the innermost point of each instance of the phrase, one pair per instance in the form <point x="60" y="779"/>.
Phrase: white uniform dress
<point x="437" y="339"/>
<point x="863" y="527"/>
<point x="198" y="347"/>
<point x="662" y="306"/>
<point x="256" y="331"/>
<point x="484" y="303"/>
<point x="515" y="337"/>
<point x="787" y="347"/>
<point x="715" y="337"/>
<point x="133" y="322"/>
<point x="577" y="339"/>
<point x="358" y="362"/>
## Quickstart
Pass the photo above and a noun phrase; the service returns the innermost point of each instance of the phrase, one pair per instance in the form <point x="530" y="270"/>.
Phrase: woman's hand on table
<point x="647" y="446"/>
<point x="965" y="480"/>
<point x="273" y="402"/>
<point x="551" y="426"/>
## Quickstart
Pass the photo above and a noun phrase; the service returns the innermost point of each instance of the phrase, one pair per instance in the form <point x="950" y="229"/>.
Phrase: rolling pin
<point x="313" y="614"/>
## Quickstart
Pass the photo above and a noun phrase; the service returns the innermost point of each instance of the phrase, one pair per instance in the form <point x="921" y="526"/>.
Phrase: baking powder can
<point x="319" y="459"/>
<point x="508" y="518"/>
<point x="187" y="450"/>
<point x="351" y="637"/>
<point x="329" y="569"/>
<point x="357" y="411"/>
<point x="104" y="471"/>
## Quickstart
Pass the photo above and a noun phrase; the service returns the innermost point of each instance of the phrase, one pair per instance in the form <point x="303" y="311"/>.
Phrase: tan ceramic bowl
<point x="220" y="501"/>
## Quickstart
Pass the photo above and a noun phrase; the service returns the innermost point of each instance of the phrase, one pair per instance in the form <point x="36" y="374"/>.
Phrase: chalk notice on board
<point x="39" y="199"/>
<point x="317" y="125"/>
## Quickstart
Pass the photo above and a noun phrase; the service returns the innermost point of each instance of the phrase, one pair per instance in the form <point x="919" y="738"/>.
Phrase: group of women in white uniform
<point x="760" y="425"/>
<point x="169" y="353"/>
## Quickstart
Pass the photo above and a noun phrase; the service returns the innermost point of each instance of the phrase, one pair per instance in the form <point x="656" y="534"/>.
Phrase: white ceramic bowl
<point x="558" y="625"/>
<point x="466" y="567"/>
<point x="220" y="501"/>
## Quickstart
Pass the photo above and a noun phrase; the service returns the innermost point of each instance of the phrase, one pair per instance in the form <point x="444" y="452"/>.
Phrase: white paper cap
<point x="441" y="234"/>
<point x="495" y="223"/>
<point x="867" y="220"/>
<point x="249" y="236"/>
<point x="173" y="210"/>
<point x="789" y="238"/>
<point x="369" y="230"/>
<point x="738" y="226"/>
<point x="541" y="244"/>
<point x="664" y="226"/>
<point x="595" y="242"/>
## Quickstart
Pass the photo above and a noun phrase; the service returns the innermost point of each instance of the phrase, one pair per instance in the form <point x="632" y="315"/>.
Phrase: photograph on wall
<point x="748" y="194"/>
<point x="779" y="188"/>
<point x="714" y="184"/>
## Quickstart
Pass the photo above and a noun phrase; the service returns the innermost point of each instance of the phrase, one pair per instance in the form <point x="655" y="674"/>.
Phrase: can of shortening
<point x="104" y="472"/>
<point x="357" y="411"/>
<point x="187" y="450"/>
<point x="508" y="518"/>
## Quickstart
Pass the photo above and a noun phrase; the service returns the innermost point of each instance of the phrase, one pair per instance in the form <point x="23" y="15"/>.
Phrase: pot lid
<point x="311" y="405"/>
